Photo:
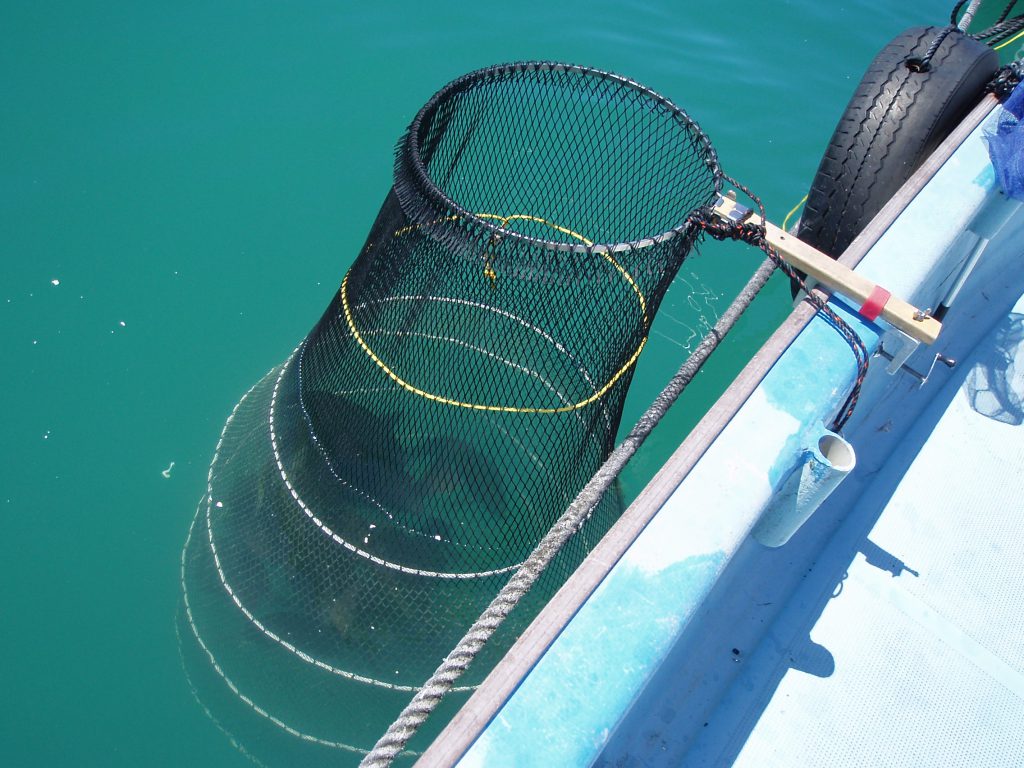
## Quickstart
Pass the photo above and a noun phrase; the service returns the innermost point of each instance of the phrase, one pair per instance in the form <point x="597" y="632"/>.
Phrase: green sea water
<point x="182" y="187"/>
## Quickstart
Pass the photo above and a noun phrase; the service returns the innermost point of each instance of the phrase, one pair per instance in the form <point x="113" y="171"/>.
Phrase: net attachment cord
<point x="753" y="232"/>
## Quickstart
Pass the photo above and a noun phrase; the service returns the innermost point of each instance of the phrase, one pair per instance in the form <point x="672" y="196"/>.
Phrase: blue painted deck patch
<point x="646" y="609"/>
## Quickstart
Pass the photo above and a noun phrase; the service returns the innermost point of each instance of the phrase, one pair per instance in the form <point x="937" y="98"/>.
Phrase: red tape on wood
<point x="872" y="308"/>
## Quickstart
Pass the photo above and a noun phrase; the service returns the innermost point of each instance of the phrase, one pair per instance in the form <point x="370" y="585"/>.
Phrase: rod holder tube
<point x="821" y="469"/>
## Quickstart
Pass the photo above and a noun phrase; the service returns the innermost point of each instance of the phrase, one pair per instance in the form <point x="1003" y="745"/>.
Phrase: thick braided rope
<point x="427" y="699"/>
<point x="968" y="16"/>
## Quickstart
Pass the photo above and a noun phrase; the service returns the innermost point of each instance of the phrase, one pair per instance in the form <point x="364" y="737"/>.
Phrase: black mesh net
<point x="371" y="494"/>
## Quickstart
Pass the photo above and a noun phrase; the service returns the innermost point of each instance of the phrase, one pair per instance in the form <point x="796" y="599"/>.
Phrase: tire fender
<point x="898" y="115"/>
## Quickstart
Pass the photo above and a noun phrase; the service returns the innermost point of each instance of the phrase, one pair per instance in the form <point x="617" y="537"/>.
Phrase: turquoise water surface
<point x="182" y="187"/>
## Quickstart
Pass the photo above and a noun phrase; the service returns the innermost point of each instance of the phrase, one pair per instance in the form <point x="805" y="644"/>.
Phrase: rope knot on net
<point x="751" y="234"/>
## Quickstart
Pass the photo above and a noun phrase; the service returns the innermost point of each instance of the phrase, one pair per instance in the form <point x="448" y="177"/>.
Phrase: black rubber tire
<point x="896" y="118"/>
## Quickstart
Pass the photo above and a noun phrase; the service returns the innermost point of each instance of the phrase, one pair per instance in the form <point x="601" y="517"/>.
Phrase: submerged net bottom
<point x="294" y="636"/>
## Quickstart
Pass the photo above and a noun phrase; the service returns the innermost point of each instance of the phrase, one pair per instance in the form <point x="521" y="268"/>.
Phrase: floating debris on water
<point x="167" y="472"/>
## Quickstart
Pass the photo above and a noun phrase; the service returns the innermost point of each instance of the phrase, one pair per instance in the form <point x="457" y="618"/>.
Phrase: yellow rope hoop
<point x="489" y="272"/>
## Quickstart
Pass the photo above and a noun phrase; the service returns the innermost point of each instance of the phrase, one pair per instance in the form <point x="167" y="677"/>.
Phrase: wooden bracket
<point x="898" y="313"/>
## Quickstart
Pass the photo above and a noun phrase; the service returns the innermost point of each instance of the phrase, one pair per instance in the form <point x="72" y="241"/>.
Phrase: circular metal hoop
<point x="411" y="165"/>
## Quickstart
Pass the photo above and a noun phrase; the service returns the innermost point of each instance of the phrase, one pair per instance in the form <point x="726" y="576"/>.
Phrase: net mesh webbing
<point x="372" y="493"/>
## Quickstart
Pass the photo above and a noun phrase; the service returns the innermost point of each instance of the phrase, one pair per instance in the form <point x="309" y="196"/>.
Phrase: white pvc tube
<point x="822" y="467"/>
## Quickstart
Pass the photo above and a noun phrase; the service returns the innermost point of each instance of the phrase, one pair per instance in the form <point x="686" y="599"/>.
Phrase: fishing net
<point x="370" y="495"/>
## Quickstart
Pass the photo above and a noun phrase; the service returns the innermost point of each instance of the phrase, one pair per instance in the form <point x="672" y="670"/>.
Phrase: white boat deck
<point x="921" y="648"/>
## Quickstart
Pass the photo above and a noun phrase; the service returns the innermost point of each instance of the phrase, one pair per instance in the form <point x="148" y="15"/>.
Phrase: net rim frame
<point x="410" y="156"/>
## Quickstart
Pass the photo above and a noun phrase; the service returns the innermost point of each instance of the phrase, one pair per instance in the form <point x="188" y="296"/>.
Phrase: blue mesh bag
<point x="1006" y="145"/>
